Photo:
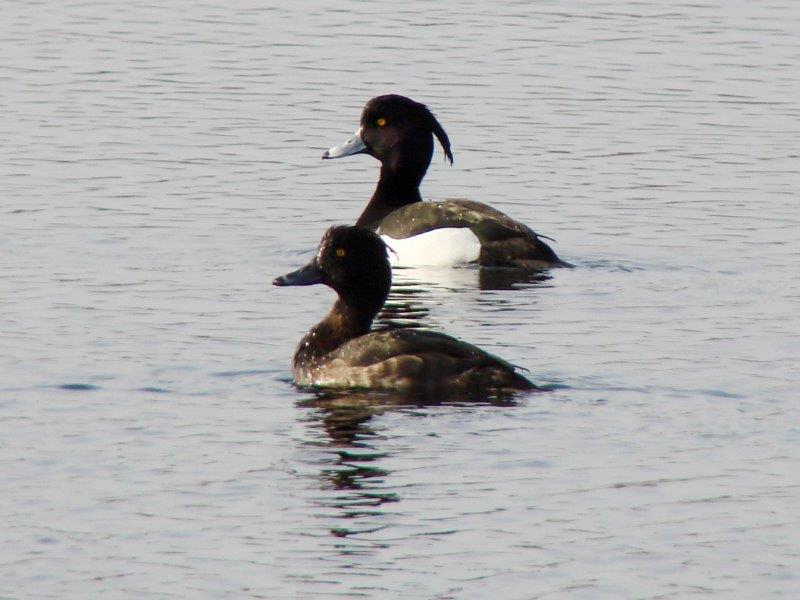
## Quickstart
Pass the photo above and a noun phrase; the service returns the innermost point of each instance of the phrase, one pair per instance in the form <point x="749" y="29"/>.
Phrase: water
<point x="160" y="165"/>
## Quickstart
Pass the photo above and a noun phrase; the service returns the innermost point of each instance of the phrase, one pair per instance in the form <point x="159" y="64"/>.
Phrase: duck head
<point x="398" y="132"/>
<point x="352" y="261"/>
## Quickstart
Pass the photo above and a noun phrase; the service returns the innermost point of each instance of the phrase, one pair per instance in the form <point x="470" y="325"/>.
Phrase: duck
<point x="341" y="352"/>
<point x="399" y="132"/>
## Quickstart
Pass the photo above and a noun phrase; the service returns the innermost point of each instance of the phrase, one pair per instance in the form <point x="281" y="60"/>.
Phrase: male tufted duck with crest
<point x="341" y="352"/>
<point x="399" y="132"/>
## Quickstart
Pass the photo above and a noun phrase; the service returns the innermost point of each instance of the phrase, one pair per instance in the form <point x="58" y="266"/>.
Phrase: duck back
<point x="409" y="360"/>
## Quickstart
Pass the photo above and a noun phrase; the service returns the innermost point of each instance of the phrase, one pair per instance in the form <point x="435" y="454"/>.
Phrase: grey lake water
<point x="161" y="165"/>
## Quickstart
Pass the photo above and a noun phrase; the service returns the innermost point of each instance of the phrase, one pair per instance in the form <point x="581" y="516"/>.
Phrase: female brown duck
<point x="341" y="352"/>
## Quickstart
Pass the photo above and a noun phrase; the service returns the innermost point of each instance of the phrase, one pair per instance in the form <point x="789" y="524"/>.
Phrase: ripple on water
<point x="162" y="166"/>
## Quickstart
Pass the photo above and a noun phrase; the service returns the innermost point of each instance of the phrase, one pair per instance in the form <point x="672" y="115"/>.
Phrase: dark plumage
<point x="341" y="352"/>
<point x="399" y="133"/>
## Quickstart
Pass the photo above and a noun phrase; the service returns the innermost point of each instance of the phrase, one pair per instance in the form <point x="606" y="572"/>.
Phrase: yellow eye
<point x="381" y="122"/>
<point x="340" y="252"/>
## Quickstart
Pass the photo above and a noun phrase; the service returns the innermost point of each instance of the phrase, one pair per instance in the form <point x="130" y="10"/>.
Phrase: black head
<point x="352" y="261"/>
<point x="392" y="121"/>
<point x="398" y="132"/>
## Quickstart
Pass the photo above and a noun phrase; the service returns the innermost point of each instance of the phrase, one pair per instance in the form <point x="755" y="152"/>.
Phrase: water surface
<point x="161" y="164"/>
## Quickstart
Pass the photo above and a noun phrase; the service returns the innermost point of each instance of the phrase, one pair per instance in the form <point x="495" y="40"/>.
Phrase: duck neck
<point x="343" y="323"/>
<point x="395" y="189"/>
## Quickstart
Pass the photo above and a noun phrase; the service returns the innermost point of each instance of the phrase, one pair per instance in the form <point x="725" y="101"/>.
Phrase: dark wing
<point x="382" y="345"/>
<point x="408" y="358"/>
<point x="489" y="224"/>
<point x="504" y="241"/>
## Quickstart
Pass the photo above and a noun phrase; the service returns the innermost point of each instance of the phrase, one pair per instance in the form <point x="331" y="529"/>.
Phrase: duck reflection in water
<point x="353" y="467"/>
<point x="457" y="279"/>
<point x="415" y="292"/>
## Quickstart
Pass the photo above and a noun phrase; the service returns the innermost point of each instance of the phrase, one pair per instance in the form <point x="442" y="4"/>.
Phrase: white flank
<point x="442" y="247"/>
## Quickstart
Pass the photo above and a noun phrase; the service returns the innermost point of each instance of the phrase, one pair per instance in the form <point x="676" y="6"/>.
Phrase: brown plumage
<point x="341" y="352"/>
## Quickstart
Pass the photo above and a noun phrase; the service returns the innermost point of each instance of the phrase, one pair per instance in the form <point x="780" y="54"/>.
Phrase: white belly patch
<point x="446" y="246"/>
